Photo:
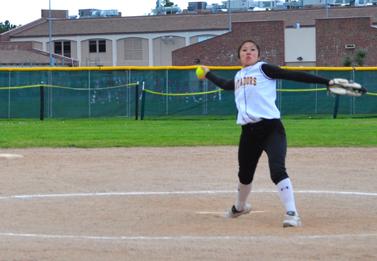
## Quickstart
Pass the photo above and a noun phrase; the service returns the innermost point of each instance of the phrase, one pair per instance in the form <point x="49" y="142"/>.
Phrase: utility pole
<point x="50" y="46"/>
<point x="229" y="17"/>
<point x="327" y="9"/>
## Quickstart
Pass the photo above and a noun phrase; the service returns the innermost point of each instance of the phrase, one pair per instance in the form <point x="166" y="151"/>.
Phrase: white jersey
<point x="255" y="95"/>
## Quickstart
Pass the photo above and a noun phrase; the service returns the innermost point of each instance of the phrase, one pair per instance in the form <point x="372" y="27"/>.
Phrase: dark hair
<point x="247" y="41"/>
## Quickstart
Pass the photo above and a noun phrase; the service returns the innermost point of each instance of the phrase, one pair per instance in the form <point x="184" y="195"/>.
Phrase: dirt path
<point x="167" y="204"/>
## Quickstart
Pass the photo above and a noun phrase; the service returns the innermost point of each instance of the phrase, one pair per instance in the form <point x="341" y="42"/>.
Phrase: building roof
<point x="23" y="57"/>
<point x="181" y="22"/>
<point x="23" y="53"/>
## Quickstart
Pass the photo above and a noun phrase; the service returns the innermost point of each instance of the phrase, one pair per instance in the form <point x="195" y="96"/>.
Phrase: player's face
<point x="249" y="54"/>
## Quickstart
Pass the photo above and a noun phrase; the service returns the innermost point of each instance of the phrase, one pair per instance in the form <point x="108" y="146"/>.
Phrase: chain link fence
<point x="167" y="91"/>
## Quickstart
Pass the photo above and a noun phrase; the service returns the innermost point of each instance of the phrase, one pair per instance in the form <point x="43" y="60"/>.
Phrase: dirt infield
<point x="167" y="204"/>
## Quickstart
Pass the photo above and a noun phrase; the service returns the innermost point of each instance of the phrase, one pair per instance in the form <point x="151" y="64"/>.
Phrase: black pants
<point x="268" y="136"/>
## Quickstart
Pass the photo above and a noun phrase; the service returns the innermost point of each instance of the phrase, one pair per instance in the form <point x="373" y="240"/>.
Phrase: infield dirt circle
<point x="168" y="204"/>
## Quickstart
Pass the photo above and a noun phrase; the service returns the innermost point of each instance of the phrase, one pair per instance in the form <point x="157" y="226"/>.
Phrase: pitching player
<point x="255" y="94"/>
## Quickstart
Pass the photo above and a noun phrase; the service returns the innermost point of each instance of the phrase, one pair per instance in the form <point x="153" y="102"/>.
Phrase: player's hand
<point x="205" y="68"/>
<point x="201" y="72"/>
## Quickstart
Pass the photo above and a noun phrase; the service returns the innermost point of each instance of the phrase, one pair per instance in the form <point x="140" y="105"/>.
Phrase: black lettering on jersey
<point x="246" y="82"/>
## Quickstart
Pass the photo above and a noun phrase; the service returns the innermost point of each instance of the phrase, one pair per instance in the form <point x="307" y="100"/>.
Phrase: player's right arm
<point x="222" y="83"/>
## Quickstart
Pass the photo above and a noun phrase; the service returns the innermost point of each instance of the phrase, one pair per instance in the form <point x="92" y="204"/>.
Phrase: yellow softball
<point x="200" y="73"/>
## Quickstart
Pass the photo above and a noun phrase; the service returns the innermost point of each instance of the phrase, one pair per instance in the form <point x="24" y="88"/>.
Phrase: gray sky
<point x="25" y="11"/>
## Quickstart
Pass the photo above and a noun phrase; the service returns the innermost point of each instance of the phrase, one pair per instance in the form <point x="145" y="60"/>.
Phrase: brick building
<point x="304" y="37"/>
<point x="332" y="40"/>
<point x="343" y="37"/>
<point x="222" y="50"/>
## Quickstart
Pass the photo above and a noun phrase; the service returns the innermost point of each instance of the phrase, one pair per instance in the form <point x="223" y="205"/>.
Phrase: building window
<point x="62" y="48"/>
<point x="133" y="49"/>
<point x="97" y="46"/>
<point x="92" y="46"/>
<point x="102" y="46"/>
<point x="67" y="49"/>
<point x="58" y="47"/>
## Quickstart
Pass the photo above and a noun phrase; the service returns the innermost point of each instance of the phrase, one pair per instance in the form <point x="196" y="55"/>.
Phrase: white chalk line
<point x="11" y="156"/>
<point x="170" y="193"/>
<point x="176" y="238"/>
<point x="222" y="213"/>
<point x="186" y="238"/>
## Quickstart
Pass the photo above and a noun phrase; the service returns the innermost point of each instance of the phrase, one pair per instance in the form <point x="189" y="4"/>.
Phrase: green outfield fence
<point x="80" y="92"/>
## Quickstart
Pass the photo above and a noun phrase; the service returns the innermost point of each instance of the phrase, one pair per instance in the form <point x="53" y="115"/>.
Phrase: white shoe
<point x="233" y="212"/>
<point x="291" y="219"/>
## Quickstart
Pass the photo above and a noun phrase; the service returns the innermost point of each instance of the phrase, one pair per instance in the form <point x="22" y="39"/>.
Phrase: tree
<point x="360" y="56"/>
<point x="6" y="26"/>
<point x="358" y="59"/>
<point x="347" y="61"/>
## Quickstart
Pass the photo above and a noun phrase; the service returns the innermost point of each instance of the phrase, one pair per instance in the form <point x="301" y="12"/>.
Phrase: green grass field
<point x="120" y="132"/>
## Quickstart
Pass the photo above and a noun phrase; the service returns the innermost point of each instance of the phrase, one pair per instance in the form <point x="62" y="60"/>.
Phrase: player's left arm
<point x="336" y="86"/>
<point x="275" y="72"/>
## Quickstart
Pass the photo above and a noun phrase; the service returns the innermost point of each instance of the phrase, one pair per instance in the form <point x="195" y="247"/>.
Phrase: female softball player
<point x="255" y="94"/>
